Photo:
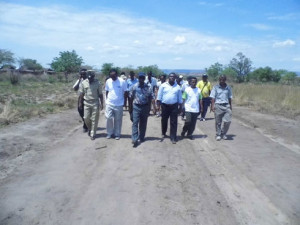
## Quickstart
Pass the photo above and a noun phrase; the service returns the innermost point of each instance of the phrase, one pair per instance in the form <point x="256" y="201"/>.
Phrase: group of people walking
<point x="167" y="98"/>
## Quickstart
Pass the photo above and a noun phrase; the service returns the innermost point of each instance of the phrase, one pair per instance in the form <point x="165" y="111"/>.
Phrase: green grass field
<point x="33" y="97"/>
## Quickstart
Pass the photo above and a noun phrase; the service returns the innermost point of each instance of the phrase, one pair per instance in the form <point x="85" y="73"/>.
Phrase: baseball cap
<point x="142" y="74"/>
<point x="204" y="75"/>
<point x="180" y="76"/>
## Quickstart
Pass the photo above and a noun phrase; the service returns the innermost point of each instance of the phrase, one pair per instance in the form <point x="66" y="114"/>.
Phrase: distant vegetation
<point x="34" y="91"/>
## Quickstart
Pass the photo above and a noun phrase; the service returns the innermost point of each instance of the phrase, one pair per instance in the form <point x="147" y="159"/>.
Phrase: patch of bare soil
<point x="52" y="173"/>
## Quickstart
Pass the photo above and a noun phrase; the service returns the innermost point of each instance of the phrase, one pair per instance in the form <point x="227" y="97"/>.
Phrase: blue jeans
<point x="139" y="124"/>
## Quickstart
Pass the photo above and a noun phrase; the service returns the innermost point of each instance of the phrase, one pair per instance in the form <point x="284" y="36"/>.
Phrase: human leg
<point x="143" y="122"/>
<point x="187" y="123"/>
<point x="135" y="123"/>
<point x="118" y="111"/>
<point x="219" y="113"/>
<point x="226" y="120"/>
<point x="173" y="121"/>
<point x="87" y="116"/>
<point x="206" y="103"/>
<point x="109" y="114"/>
<point x="192" y="124"/>
<point x="94" y="120"/>
<point x="164" y="118"/>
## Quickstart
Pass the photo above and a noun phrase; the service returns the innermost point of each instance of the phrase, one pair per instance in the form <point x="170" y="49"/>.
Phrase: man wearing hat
<point x="76" y="87"/>
<point x="140" y="97"/>
<point x="91" y="92"/>
<point x="205" y="87"/>
<point x="169" y="97"/>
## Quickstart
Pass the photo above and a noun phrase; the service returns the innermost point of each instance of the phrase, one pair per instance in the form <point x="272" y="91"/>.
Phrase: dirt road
<point x="52" y="173"/>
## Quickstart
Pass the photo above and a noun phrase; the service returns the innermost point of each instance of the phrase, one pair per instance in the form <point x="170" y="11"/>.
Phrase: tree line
<point x="238" y="70"/>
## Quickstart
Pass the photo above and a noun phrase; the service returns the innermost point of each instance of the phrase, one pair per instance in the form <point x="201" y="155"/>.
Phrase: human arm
<point x="213" y="104"/>
<point x="76" y="85"/>
<point x="80" y="101"/>
<point x="230" y="103"/>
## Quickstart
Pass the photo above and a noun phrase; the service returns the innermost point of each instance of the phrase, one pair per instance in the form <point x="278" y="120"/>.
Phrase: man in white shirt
<point x="192" y="101"/>
<point x="115" y="88"/>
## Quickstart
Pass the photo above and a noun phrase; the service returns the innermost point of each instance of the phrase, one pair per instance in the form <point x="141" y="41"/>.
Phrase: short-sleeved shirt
<point x="192" y="97"/>
<point x="116" y="91"/>
<point x="205" y="88"/>
<point x="221" y="95"/>
<point x="169" y="94"/>
<point x="141" y="95"/>
<point x="91" y="91"/>
<point x="130" y="83"/>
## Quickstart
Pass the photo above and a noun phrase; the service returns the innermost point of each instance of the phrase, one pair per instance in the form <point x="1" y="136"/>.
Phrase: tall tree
<point x="241" y="65"/>
<point x="29" y="64"/>
<point x="67" y="62"/>
<point x="6" y="58"/>
<point x="106" y="67"/>
<point x="214" y="71"/>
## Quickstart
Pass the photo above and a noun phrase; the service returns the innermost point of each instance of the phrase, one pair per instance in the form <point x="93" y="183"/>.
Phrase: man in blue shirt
<point x="169" y="97"/>
<point x="221" y="96"/>
<point x="140" y="96"/>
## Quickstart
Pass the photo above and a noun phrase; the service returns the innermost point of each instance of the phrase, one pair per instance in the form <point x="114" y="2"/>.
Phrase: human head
<point x="90" y="75"/>
<point x="131" y="74"/>
<point x="113" y="73"/>
<point x="204" y="77"/>
<point x="222" y="80"/>
<point x="163" y="78"/>
<point x="149" y="74"/>
<point x="189" y="79"/>
<point x="83" y="73"/>
<point x="142" y="77"/>
<point x="172" y="77"/>
<point x="193" y="82"/>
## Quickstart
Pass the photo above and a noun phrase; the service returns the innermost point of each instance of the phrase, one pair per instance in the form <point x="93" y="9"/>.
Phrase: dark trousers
<point x="190" y="123"/>
<point x="139" y="124"/>
<point x="172" y="112"/>
<point x="81" y="114"/>
<point x="206" y="104"/>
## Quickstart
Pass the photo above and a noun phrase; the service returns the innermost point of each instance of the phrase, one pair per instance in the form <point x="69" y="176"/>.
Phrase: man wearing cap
<point x="169" y="97"/>
<point x="76" y="86"/>
<point x="140" y="97"/>
<point x="115" y="88"/>
<point x="153" y="82"/>
<point x="205" y="87"/>
<point x="221" y="96"/>
<point x="91" y="92"/>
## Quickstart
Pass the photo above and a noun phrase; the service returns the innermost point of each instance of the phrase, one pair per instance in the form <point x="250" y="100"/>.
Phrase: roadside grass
<point x="34" y="96"/>
<point x="269" y="98"/>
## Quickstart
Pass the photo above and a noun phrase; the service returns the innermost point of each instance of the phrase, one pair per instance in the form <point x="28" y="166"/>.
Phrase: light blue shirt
<point x="130" y="83"/>
<point x="221" y="95"/>
<point x="168" y="94"/>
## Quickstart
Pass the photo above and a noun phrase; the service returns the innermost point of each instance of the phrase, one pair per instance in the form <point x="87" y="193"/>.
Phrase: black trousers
<point x="169" y="111"/>
<point x="190" y="123"/>
<point x="81" y="114"/>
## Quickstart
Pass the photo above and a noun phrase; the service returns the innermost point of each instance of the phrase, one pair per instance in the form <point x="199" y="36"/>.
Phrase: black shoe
<point x="173" y="141"/>
<point x="84" y="130"/>
<point x="142" y="140"/>
<point x="93" y="138"/>
<point x="89" y="133"/>
<point x="135" y="144"/>
<point x="182" y="134"/>
<point x="191" y="137"/>
<point x="163" y="136"/>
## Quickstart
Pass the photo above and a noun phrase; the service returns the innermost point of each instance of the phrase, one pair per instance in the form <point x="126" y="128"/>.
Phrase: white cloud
<point x="178" y="59"/>
<point x="259" y="26"/>
<point x="179" y="40"/>
<point x="286" y="17"/>
<point x="100" y="36"/>
<point x="285" y="43"/>
<point x="296" y="59"/>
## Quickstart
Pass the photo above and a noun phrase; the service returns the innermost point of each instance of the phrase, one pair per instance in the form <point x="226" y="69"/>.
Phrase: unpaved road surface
<point x="52" y="173"/>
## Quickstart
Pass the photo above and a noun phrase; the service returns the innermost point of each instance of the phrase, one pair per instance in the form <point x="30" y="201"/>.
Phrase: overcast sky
<point x="173" y="34"/>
